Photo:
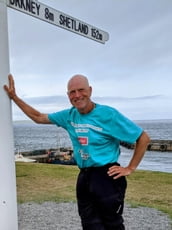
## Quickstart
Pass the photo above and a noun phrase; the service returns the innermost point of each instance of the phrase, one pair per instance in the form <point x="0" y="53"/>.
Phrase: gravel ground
<point x="64" y="216"/>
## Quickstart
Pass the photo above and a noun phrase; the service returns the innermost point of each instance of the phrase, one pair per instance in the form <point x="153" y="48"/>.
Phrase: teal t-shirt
<point x="96" y="135"/>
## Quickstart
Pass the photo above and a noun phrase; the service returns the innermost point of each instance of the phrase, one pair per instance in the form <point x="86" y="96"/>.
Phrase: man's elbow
<point x="144" y="138"/>
<point x="41" y="119"/>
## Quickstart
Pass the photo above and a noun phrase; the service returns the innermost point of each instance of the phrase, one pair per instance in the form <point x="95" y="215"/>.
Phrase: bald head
<point x="78" y="79"/>
<point x="79" y="93"/>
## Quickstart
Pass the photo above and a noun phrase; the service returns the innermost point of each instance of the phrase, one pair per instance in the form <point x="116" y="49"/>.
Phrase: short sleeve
<point x="59" y="118"/>
<point x="124" y="129"/>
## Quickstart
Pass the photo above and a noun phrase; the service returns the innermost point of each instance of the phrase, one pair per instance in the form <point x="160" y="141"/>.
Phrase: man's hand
<point x="31" y="112"/>
<point x="11" y="88"/>
<point x="118" y="171"/>
<point x="139" y="151"/>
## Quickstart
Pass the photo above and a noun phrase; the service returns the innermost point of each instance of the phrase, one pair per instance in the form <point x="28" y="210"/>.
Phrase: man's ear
<point x="90" y="90"/>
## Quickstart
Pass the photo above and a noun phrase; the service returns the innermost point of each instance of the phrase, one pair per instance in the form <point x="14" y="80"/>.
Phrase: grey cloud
<point x="64" y="100"/>
<point x="136" y="61"/>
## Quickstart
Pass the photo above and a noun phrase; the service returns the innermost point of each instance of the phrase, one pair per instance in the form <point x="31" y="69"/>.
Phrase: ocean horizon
<point x="29" y="136"/>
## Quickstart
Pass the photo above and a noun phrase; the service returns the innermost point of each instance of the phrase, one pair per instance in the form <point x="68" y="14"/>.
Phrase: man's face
<point x="79" y="93"/>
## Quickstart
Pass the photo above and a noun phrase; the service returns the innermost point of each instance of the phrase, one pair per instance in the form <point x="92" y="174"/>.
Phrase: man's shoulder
<point x="106" y="108"/>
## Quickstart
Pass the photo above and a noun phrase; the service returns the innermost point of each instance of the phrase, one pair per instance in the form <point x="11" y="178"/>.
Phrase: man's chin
<point x="80" y="109"/>
<point x="79" y="106"/>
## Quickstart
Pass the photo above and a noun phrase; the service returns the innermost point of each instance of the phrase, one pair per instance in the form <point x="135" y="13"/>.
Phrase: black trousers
<point x="100" y="199"/>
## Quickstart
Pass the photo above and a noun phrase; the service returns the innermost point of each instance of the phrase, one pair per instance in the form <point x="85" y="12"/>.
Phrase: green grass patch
<point x="150" y="189"/>
<point x="48" y="182"/>
<point x="45" y="182"/>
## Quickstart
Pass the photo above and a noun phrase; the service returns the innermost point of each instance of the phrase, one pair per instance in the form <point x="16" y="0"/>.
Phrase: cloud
<point x="63" y="100"/>
<point x="138" y="108"/>
<point x="132" y="71"/>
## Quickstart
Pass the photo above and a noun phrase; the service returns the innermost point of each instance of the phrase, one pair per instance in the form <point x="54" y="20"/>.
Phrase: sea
<point x="29" y="136"/>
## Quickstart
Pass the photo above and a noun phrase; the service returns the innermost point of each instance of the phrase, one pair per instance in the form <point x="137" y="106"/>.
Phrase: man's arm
<point x="139" y="151"/>
<point x="32" y="113"/>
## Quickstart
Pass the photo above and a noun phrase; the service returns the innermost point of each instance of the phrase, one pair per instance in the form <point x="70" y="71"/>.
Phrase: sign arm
<point x="58" y="18"/>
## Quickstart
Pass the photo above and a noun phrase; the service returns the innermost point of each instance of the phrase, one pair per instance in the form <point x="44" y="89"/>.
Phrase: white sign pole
<point x="8" y="201"/>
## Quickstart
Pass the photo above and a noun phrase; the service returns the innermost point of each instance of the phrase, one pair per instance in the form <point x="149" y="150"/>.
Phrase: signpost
<point x="58" y="18"/>
<point x="8" y="203"/>
<point x="8" y="200"/>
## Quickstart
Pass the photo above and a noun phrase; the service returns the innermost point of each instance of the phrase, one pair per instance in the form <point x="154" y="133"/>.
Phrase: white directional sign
<point x="48" y="14"/>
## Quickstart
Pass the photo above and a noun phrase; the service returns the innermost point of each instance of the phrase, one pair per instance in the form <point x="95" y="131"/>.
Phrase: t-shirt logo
<point x="83" y="140"/>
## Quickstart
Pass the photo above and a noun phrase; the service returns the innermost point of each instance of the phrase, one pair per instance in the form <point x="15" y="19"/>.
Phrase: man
<point x="96" y="131"/>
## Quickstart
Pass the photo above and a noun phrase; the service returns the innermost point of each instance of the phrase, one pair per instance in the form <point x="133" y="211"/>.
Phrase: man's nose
<point x="77" y="93"/>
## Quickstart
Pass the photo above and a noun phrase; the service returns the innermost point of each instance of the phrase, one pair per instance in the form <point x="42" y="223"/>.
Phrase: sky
<point x="131" y="71"/>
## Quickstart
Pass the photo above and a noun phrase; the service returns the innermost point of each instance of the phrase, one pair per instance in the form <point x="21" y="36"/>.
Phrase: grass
<point x="48" y="182"/>
<point x="150" y="189"/>
<point x="45" y="182"/>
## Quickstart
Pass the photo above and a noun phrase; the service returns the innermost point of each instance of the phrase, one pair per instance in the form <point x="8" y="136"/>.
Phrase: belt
<point x="103" y="167"/>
